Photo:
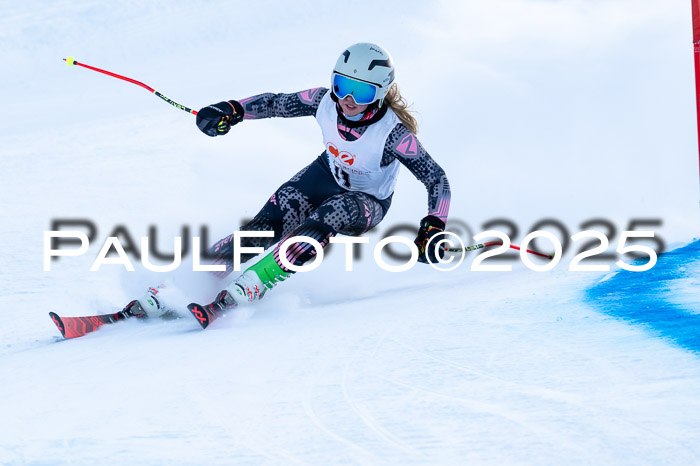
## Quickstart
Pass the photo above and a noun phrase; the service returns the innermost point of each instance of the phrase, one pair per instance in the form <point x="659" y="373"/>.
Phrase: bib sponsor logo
<point x="346" y="158"/>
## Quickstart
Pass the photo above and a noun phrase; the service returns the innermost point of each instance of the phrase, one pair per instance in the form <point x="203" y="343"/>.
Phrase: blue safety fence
<point x="645" y="298"/>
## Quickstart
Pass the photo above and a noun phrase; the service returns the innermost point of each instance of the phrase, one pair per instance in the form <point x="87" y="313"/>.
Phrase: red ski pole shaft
<point x="497" y="243"/>
<point x="548" y="256"/>
<point x="71" y="61"/>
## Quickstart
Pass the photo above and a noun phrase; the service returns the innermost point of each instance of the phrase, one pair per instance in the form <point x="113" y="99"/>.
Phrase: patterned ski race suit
<point x="319" y="201"/>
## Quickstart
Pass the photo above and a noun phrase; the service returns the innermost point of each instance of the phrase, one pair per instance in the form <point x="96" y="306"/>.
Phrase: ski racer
<point x="367" y="133"/>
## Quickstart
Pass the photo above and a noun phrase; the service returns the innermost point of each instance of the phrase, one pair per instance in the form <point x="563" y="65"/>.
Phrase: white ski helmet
<point x="362" y="63"/>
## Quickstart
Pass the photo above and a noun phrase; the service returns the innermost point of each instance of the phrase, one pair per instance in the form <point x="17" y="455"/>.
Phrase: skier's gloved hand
<point x="217" y="119"/>
<point x="430" y="226"/>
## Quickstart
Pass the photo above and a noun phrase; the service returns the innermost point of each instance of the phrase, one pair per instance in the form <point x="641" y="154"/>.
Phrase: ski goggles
<point x="362" y="92"/>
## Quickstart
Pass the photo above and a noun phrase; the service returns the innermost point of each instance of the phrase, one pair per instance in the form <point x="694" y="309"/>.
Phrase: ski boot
<point x="252" y="284"/>
<point x="148" y="306"/>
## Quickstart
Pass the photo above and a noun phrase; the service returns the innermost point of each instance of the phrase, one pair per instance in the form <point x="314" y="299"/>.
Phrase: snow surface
<point x="567" y="110"/>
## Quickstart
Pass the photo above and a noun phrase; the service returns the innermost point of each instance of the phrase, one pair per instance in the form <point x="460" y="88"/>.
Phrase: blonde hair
<point x="398" y="104"/>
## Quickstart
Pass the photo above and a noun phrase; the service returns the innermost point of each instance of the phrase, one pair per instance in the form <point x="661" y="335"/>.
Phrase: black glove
<point x="429" y="227"/>
<point x="217" y="119"/>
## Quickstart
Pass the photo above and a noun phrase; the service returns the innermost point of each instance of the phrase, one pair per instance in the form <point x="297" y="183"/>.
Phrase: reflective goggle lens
<point x="363" y="93"/>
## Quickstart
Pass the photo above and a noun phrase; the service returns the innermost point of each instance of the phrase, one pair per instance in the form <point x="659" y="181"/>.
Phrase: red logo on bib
<point x="345" y="157"/>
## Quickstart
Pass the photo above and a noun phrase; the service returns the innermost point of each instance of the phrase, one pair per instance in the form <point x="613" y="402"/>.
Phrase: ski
<point x="74" y="327"/>
<point x="205" y="315"/>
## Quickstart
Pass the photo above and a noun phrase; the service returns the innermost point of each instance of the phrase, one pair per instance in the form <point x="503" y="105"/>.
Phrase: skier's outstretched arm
<point x="405" y="146"/>
<point x="217" y="119"/>
<point x="302" y="103"/>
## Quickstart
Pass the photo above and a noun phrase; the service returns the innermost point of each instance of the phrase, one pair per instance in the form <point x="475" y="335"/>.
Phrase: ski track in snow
<point x="368" y="381"/>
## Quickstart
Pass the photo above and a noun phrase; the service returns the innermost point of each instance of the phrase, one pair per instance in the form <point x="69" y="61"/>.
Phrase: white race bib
<point x="356" y="164"/>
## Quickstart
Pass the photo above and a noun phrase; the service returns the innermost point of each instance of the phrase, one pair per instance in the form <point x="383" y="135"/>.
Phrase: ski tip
<point x="59" y="323"/>
<point x="69" y="61"/>
<point x="199" y="313"/>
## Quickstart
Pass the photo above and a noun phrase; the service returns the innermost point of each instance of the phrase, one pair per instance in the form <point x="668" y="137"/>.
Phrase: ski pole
<point x="496" y="243"/>
<point x="72" y="61"/>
